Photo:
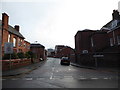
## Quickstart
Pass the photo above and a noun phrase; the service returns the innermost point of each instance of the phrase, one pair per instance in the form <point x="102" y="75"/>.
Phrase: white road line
<point x="94" y="78"/>
<point x="51" y="77"/>
<point x="53" y="69"/>
<point x="28" y="78"/>
<point x="40" y="78"/>
<point x="4" y="79"/>
<point x="105" y="78"/>
<point x="14" y="79"/>
<point x="67" y="76"/>
<point x="82" y="78"/>
<point x="57" y="71"/>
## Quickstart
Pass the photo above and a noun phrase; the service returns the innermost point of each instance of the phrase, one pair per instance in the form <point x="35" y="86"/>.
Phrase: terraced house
<point x="13" y="35"/>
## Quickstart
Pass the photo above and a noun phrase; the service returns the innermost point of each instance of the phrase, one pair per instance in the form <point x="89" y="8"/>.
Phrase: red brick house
<point x="66" y="51"/>
<point x="83" y="41"/>
<point x="12" y="34"/>
<point x="39" y="51"/>
<point x="104" y="42"/>
<point x="58" y="48"/>
<point x="99" y="41"/>
<point x="113" y="32"/>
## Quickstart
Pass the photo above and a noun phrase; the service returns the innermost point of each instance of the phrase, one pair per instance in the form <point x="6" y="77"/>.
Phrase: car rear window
<point x="65" y="58"/>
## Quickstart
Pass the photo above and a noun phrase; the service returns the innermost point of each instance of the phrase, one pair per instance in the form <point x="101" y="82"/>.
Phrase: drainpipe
<point x="114" y="37"/>
<point x="0" y="44"/>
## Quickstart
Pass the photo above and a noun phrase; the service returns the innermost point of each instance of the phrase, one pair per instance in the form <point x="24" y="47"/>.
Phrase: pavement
<point x="22" y="70"/>
<point x="116" y="70"/>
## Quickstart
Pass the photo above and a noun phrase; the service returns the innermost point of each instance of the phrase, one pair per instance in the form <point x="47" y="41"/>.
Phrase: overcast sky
<point x="55" y="22"/>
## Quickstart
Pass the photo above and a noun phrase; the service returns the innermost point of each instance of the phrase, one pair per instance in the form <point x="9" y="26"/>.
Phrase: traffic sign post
<point x="8" y="49"/>
<point x="0" y="44"/>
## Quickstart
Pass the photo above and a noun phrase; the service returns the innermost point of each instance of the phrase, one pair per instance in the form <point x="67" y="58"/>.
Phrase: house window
<point x="85" y="51"/>
<point x="9" y="36"/>
<point x="28" y="46"/>
<point x="25" y="45"/>
<point x="118" y="39"/>
<point x="111" y="41"/>
<point x="14" y="42"/>
<point x="20" y="42"/>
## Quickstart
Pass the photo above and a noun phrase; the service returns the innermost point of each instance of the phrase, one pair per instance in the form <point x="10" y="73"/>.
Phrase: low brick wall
<point x="108" y="59"/>
<point x="15" y="63"/>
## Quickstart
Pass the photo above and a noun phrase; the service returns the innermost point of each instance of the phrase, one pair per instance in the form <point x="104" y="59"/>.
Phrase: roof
<point x="98" y="32"/>
<point x="114" y="29"/>
<point x="113" y="24"/>
<point x="85" y="30"/>
<point x="36" y="45"/>
<point x="12" y="30"/>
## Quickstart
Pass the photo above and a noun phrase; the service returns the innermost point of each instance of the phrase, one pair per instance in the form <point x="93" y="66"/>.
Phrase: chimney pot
<point x="17" y="27"/>
<point x="115" y="15"/>
<point x="5" y="19"/>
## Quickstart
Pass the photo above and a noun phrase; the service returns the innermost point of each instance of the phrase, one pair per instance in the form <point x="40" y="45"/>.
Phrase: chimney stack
<point x="17" y="27"/>
<point x="5" y="19"/>
<point x="115" y="15"/>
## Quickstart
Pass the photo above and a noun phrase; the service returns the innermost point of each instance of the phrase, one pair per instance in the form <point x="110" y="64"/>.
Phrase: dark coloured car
<point x="65" y="61"/>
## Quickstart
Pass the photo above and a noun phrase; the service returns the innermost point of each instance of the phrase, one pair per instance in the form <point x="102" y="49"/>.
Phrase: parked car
<point x="65" y="61"/>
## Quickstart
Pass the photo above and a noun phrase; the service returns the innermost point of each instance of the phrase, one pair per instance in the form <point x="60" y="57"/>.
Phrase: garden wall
<point x="15" y="63"/>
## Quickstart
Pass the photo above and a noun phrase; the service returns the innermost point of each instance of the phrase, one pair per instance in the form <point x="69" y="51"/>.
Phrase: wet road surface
<point x="53" y="75"/>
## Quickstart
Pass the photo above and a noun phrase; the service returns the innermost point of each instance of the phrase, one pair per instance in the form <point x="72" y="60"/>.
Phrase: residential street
<point x="53" y="75"/>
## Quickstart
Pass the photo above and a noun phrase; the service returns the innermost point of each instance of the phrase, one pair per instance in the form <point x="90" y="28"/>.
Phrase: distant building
<point x="63" y="51"/>
<point x="12" y="34"/>
<point x="39" y="51"/>
<point x="50" y="52"/>
<point x="66" y="51"/>
<point x="58" y="48"/>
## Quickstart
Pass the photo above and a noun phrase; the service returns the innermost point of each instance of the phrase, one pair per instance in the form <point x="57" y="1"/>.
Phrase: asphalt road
<point x="53" y="75"/>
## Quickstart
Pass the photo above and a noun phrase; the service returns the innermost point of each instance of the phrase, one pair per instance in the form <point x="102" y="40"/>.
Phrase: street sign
<point x="98" y="55"/>
<point x="8" y="48"/>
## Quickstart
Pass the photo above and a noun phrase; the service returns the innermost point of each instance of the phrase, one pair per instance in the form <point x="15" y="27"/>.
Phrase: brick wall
<point x="15" y="63"/>
<point x="83" y="41"/>
<point x="100" y="41"/>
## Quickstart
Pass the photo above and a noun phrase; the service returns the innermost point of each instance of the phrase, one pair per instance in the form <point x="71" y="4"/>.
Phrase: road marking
<point x="94" y="78"/>
<point x="4" y="79"/>
<point x="82" y="78"/>
<point x="53" y="68"/>
<point x="57" y="71"/>
<point x="14" y="78"/>
<point x="67" y="76"/>
<point x="107" y="78"/>
<point x="40" y="78"/>
<point x="28" y="78"/>
<point x="51" y="77"/>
